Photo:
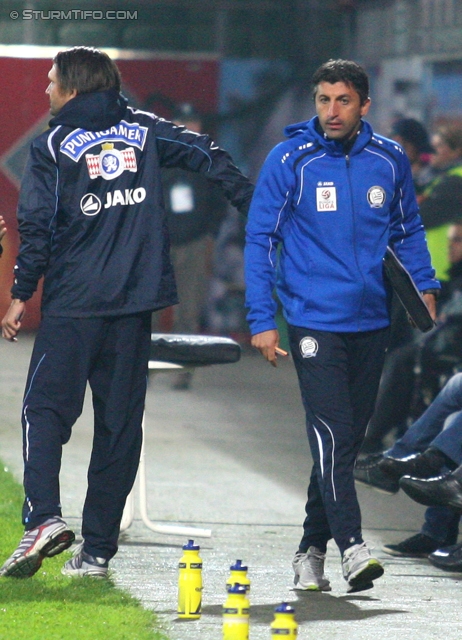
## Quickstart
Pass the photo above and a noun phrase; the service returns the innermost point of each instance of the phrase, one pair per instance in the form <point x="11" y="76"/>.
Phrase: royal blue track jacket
<point x="318" y="227"/>
<point x="91" y="213"/>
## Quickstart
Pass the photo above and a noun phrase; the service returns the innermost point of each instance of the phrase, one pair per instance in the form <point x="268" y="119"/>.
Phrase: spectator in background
<point x="441" y="202"/>
<point x="431" y="355"/>
<point x="431" y="445"/>
<point x="195" y="209"/>
<point x="226" y="310"/>
<point x="414" y="139"/>
<point x="2" y="232"/>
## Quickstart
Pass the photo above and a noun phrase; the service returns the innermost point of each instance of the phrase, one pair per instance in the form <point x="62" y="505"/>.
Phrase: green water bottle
<point x="238" y="575"/>
<point x="190" y="582"/>
<point x="284" y="624"/>
<point x="236" y="614"/>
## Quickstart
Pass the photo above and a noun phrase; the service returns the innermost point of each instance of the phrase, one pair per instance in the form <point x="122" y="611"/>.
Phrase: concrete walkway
<point x="231" y="455"/>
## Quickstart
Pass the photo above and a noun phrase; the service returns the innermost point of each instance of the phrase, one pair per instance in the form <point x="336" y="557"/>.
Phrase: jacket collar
<point x="92" y="111"/>
<point x="312" y="130"/>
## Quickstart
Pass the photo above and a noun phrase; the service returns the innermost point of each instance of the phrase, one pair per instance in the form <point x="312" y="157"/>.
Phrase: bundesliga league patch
<point x="326" y="198"/>
<point x="110" y="163"/>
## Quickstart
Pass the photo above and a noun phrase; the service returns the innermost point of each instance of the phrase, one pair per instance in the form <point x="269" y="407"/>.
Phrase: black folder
<point x="408" y="294"/>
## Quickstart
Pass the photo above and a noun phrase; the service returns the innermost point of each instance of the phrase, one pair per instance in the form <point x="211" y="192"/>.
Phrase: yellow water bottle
<point x="284" y="623"/>
<point x="238" y="575"/>
<point x="190" y="582"/>
<point x="236" y="614"/>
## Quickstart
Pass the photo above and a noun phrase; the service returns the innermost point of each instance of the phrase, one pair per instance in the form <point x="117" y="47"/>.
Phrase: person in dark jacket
<point x="195" y="209"/>
<point x="416" y="369"/>
<point x="413" y="137"/>
<point x="327" y="203"/>
<point x="92" y="223"/>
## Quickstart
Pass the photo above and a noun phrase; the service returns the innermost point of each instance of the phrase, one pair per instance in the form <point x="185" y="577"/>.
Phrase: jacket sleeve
<point x="36" y="212"/>
<point x="179" y="147"/>
<point x="270" y="206"/>
<point x="407" y="234"/>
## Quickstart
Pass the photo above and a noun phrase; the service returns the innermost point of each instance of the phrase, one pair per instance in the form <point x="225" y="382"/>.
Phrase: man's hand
<point x="2" y="232"/>
<point x="430" y="301"/>
<point x="267" y="343"/>
<point x="11" y="323"/>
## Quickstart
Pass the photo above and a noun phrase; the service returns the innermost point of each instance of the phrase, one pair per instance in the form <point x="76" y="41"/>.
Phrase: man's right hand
<point x="2" y="232"/>
<point x="11" y="323"/>
<point x="266" y="342"/>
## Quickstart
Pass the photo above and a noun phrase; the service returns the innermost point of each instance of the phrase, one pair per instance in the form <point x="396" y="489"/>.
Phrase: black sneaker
<point x="418" y="546"/>
<point x="368" y="472"/>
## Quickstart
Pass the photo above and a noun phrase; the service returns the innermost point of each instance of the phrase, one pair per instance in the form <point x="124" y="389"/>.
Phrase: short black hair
<point x="347" y="71"/>
<point x="413" y="132"/>
<point x="86" y="70"/>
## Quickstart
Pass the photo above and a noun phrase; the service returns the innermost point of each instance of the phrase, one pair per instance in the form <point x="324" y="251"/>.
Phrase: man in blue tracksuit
<point x="92" y="222"/>
<point x="328" y="202"/>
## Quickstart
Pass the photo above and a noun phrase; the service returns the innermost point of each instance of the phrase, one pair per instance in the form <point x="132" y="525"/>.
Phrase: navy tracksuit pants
<point x="339" y="375"/>
<point x="111" y="354"/>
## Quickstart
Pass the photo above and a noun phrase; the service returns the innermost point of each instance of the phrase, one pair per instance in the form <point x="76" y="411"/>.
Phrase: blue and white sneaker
<point x="83" y="565"/>
<point x="47" y="540"/>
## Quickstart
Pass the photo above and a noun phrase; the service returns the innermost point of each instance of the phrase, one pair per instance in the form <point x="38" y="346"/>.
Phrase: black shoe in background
<point x="424" y="465"/>
<point x="447" y="558"/>
<point x="367" y="471"/>
<point x="444" y="491"/>
<point x="418" y="546"/>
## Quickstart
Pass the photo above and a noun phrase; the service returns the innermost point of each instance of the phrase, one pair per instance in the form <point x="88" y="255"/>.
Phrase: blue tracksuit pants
<point x="111" y="354"/>
<point x="339" y="375"/>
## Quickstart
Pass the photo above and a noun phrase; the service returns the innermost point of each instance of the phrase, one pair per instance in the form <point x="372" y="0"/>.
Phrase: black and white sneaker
<point x="83" y="565"/>
<point x="47" y="540"/>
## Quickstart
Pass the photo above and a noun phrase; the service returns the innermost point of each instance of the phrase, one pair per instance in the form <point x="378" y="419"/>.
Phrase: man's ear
<point x="365" y="107"/>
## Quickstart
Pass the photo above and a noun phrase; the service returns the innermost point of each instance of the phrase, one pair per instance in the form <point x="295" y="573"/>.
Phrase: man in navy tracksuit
<point x="92" y="222"/>
<point x="328" y="202"/>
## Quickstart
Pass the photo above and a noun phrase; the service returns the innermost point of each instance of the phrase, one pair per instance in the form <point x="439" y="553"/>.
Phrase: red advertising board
<point x="152" y="82"/>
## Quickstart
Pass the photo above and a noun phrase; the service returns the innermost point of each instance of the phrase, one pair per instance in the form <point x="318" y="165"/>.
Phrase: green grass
<point x="50" y="606"/>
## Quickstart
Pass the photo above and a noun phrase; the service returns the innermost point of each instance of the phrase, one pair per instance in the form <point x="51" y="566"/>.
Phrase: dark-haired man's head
<point x="346" y="71"/>
<point x="341" y="97"/>
<point x="80" y="70"/>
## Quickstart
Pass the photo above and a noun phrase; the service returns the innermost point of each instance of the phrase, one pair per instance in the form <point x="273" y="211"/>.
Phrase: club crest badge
<point x="308" y="347"/>
<point x="376" y="197"/>
<point x="110" y="163"/>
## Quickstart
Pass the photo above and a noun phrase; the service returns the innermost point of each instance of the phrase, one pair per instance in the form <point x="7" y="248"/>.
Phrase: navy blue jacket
<point x="91" y="213"/>
<point x="319" y="224"/>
